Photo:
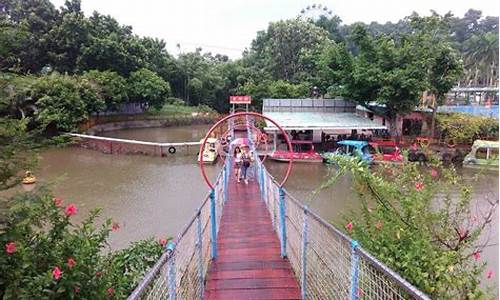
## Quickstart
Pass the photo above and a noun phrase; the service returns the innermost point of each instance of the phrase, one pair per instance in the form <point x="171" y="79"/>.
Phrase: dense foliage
<point x="421" y="223"/>
<point x="464" y="128"/>
<point x="390" y="63"/>
<point x="46" y="255"/>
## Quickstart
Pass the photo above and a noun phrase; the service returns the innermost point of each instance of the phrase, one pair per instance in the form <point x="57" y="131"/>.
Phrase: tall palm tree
<point x="481" y="58"/>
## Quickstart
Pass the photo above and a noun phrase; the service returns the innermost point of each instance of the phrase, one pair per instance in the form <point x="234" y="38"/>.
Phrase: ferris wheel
<point x="315" y="11"/>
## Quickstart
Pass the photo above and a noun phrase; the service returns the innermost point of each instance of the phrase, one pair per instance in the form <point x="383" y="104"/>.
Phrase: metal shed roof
<point x="320" y="121"/>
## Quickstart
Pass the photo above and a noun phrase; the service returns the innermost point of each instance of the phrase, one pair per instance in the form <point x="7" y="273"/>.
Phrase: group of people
<point x="242" y="161"/>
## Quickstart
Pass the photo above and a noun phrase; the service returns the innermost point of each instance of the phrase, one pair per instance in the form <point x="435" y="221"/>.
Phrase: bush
<point x="175" y="101"/>
<point x="46" y="255"/>
<point x="65" y="101"/>
<point x="146" y="86"/>
<point x="419" y="223"/>
<point x="113" y="87"/>
<point x="465" y="128"/>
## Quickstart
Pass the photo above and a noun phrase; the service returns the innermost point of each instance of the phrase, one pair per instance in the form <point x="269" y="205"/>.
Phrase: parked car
<point x="482" y="154"/>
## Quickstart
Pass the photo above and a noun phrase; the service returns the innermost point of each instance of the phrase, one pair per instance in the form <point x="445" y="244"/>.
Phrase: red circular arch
<point x="202" y="147"/>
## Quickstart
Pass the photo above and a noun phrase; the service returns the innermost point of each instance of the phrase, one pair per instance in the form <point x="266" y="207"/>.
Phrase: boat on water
<point x="361" y="149"/>
<point x="385" y="152"/>
<point x="484" y="154"/>
<point x="29" y="178"/>
<point x="303" y="151"/>
<point x="210" y="154"/>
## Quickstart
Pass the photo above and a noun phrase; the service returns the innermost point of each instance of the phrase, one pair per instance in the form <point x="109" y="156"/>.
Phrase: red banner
<point x="240" y="99"/>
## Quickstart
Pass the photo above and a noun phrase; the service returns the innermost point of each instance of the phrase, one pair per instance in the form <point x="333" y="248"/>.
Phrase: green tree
<point x="112" y="86"/>
<point x="26" y="26"/>
<point x="148" y="88"/>
<point x="386" y="71"/>
<point x="441" y="62"/>
<point x="63" y="102"/>
<point x="110" y="47"/>
<point x="283" y="89"/>
<point x="335" y="69"/>
<point x="68" y="36"/>
<point x="278" y="50"/>
<point x="332" y="25"/>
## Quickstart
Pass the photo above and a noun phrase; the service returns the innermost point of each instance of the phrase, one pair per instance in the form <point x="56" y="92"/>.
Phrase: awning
<point x="320" y="121"/>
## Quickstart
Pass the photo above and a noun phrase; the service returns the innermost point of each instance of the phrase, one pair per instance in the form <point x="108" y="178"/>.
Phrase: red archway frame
<point x="202" y="147"/>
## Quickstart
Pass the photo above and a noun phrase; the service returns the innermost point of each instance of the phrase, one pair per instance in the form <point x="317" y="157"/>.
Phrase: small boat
<point x="483" y="154"/>
<point x="303" y="151"/>
<point x="360" y="149"/>
<point x="28" y="178"/>
<point x="210" y="152"/>
<point x="386" y="151"/>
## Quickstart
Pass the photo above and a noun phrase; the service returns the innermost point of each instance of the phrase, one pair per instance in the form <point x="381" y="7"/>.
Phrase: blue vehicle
<point x="360" y="149"/>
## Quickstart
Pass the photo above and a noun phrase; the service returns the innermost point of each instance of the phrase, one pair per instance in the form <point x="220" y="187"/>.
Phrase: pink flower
<point x="71" y="262"/>
<point x="349" y="226"/>
<point x="57" y="202"/>
<point x="490" y="274"/>
<point x="379" y="225"/>
<point x="56" y="273"/>
<point x="477" y="255"/>
<point x="111" y="292"/>
<point x="434" y="173"/>
<point x="474" y="219"/>
<point x="10" y="247"/>
<point x="419" y="185"/>
<point x="359" y="293"/>
<point x="98" y="274"/>
<point x="76" y="289"/>
<point x="115" y="226"/>
<point x="162" y="242"/>
<point x="70" y="210"/>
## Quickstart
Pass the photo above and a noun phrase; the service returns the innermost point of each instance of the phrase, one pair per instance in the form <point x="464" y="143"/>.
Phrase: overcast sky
<point x="228" y="26"/>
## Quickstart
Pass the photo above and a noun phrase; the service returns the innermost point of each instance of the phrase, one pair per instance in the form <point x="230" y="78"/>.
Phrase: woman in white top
<point x="237" y="163"/>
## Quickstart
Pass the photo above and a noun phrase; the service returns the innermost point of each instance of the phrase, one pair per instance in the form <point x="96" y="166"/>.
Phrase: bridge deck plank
<point x="249" y="265"/>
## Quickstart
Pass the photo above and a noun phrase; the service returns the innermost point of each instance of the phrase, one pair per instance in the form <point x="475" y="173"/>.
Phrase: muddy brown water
<point x="153" y="196"/>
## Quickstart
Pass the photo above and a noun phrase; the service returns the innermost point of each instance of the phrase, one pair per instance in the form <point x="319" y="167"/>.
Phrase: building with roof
<point x="317" y="117"/>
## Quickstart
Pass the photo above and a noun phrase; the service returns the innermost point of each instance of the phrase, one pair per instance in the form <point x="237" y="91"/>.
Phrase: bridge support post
<point x="172" y="294"/>
<point x="213" y="224"/>
<point x="199" y="248"/>
<point x="354" y="270"/>
<point x="282" y="222"/>
<point x="305" y="242"/>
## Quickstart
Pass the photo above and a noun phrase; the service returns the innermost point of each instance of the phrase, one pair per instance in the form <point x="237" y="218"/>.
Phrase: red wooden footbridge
<point x="256" y="241"/>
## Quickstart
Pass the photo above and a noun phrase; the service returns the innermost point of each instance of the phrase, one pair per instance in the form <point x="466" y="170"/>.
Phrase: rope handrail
<point x="102" y="138"/>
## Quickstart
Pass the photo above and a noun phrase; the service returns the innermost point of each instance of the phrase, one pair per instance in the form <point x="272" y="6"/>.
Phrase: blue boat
<point x="360" y="149"/>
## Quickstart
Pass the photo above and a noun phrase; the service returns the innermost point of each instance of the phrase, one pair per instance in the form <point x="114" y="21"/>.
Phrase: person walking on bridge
<point x="237" y="163"/>
<point x="246" y="158"/>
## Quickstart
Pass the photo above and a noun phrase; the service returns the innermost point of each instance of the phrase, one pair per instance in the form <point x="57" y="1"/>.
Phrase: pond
<point x="154" y="196"/>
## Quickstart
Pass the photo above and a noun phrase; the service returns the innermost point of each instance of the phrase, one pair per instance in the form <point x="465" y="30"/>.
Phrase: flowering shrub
<point x="48" y="256"/>
<point x="418" y="220"/>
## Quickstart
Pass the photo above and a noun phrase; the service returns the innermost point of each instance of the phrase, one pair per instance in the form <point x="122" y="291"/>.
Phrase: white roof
<point x="320" y="121"/>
